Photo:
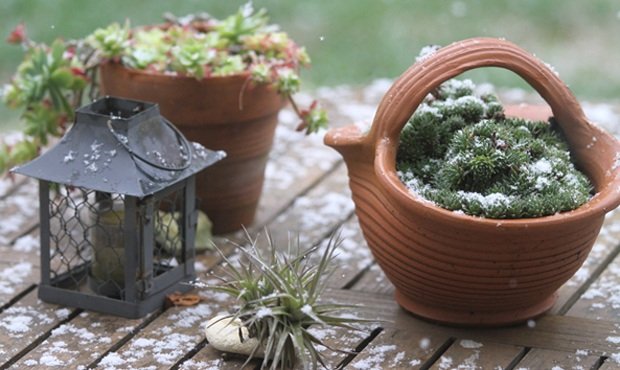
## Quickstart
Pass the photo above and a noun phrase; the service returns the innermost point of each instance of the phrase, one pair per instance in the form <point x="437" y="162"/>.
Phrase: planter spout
<point x="350" y="142"/>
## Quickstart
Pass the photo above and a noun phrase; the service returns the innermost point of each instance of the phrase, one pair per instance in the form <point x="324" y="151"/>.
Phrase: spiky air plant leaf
<point x="278" y="296"/>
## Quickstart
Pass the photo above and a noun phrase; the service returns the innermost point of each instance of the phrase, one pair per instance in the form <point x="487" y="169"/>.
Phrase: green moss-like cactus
<point x="460" y="152"/>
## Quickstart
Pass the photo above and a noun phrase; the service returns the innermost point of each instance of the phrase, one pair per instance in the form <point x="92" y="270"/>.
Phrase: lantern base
<point x="64" y="291"/>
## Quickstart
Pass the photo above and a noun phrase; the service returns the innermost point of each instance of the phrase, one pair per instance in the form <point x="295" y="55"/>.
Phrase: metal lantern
<point x="118" y="209"/>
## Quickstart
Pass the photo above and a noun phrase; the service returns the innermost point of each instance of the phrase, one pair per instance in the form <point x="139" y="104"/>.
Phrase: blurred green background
<point x="356" y="41"/>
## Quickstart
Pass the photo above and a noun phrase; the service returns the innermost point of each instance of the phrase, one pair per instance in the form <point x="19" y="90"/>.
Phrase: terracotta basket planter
<point x="221" y="113"/>
<point x="464" y="270"/>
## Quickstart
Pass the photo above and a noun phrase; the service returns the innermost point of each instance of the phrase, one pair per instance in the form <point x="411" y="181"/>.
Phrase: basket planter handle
<point x="407" y="93"/>
<point x="594" y="151"/>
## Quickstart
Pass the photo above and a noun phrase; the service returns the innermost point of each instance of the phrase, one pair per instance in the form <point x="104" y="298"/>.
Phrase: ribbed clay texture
<point x="458" y="269"/>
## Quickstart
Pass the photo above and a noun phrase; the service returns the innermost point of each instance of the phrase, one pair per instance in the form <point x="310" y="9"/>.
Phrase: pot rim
<point x="604" y="200"/>
<point x="245" y="75"/>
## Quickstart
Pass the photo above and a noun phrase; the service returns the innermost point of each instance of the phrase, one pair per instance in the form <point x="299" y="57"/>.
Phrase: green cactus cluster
<point x="462" y="153"/>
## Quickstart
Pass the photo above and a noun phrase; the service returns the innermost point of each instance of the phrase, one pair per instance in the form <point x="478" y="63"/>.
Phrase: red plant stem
<point x="294" y="105"/>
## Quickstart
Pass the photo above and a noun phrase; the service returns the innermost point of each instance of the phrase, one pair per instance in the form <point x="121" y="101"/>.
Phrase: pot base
<point x="466" y="318"/>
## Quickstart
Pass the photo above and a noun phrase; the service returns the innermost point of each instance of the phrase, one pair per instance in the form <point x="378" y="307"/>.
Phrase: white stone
<point x="223" y="334"/>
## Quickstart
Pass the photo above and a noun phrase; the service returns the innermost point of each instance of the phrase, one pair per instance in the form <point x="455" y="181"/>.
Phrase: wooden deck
<point x="306" y="192"/>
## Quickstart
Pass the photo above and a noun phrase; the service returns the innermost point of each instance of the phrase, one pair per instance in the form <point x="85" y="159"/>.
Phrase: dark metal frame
<point x="143" y="290"/>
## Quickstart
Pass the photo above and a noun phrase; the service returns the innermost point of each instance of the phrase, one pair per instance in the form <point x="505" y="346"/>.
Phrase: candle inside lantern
<point x="107" y="271"/>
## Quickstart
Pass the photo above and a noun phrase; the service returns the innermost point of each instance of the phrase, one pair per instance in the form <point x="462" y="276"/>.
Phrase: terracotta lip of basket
<point x="597" y="152"/>
<point x="602" y="201"/>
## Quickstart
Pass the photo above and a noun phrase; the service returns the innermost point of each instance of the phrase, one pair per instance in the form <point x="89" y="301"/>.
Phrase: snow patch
<point x="376" y="357"/>
<point x="27" y="244"/>
<point x="12" y="276"/>
<point x="614" y="340"/>
<point x="470" y="344"/>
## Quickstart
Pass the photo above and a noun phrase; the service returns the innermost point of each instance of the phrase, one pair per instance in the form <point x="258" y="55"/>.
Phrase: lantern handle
<point x="180" y="137"/>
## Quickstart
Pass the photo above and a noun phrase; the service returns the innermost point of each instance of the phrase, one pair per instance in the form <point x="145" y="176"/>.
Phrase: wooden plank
<point x="611" y="364"/>
<point x="399" y="349"/>
<point x="25" y="247"/>
<point x="167" y="339"/>
<point x="25" y="323"/>
<point x="78" y="342"/>
<point x="602" y="302"/>
<point x="210" y="358"/>
<point x="10" y="184"/>
<point x="548" y="359"/>
<point x="352" y="258"/>
<point x="295" y="165"/>
<point x="313" y="215"/>
<point x="16" y="278"/>
<point x="562" y="333"/>
<point x="470" y="354"/>
<point x="606" y="246"/>
<point x="341" y="339"/>
<point x="375" y="281"/>
<point x="19" y="267"/>
<point x="297" y="161"/>
<point x="602" y="299"/>
<point x="20" y="212"/>
<point x="404" y="346"/>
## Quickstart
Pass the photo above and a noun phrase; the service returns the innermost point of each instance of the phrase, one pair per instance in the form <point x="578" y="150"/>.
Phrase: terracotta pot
<point x="464" y="270"/>
<point x="221" y="113"/>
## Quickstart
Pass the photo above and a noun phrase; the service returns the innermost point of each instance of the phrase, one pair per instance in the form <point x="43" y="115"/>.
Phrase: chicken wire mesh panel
<point x="89" y="232"/>
<point x="169" y="233"/>
<point x="70" y="251"/>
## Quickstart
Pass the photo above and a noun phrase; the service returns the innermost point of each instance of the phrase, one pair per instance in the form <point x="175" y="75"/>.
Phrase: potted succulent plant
<point x="222" y="82"/>
<point x="448" y="258"/>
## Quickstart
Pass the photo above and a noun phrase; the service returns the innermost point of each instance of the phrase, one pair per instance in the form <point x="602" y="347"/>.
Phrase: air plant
<point x="278" y="296"/>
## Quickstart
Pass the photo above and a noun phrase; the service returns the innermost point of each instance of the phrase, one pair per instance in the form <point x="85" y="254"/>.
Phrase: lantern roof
<point x="121" y="146"/>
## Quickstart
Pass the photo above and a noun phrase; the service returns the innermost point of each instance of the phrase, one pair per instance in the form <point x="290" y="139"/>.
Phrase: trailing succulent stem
<point x="459" y="151"/>
<point x="47" y="88"/>
<point x="50" y="82"/>
<point x="278" y="295"/>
